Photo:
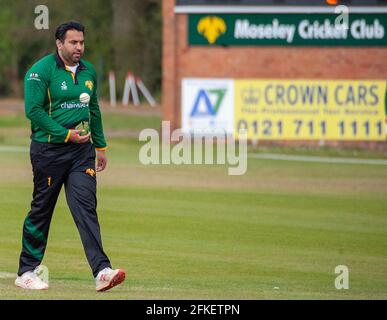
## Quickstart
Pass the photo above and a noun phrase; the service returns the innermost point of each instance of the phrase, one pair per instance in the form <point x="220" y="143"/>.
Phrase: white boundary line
<point x="265" y="156"/>
<point x="272" y="9"/>
<point x="285" y="157"/>
<point x="13" y="149"/>
<point x="7" y="275"/>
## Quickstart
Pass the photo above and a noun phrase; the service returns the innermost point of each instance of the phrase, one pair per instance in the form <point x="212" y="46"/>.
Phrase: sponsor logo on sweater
<point x="74" y="105"/>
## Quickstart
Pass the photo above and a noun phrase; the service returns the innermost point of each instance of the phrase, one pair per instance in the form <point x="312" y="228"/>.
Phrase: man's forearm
<point x="96" y="129"/>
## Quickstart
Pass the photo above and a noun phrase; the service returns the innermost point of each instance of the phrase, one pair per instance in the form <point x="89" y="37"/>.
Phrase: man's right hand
<point x="76" y="138"/>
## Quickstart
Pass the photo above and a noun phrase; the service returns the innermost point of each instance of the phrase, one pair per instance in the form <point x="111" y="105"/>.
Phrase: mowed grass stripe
<point x="244" y="243"/>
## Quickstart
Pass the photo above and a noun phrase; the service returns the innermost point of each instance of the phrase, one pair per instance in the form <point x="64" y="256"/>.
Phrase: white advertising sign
<point x="207" y="106"/>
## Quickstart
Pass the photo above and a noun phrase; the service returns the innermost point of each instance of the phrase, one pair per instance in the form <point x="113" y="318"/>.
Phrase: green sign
<point x="287" y="30"/>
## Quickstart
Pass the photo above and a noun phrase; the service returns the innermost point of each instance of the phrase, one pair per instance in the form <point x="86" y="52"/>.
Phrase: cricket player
<point x="67" y="135"/>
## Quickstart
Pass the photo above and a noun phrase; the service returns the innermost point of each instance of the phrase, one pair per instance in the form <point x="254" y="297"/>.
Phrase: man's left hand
<point x="101" y="160"/>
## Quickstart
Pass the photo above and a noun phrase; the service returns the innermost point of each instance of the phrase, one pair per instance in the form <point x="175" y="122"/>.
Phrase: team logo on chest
<point x="64" y="85"/>
<point x="89" y="84"/>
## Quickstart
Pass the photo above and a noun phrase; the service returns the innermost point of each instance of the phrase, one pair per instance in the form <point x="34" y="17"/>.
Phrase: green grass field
<point x="193" y="232"/>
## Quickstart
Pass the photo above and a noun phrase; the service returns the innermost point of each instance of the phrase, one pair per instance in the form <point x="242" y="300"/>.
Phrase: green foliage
<point x="6" y="45"/>
<point x="120" y="35"/>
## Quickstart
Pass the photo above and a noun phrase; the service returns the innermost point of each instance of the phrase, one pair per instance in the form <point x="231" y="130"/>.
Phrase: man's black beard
<point x="69" y="58"/>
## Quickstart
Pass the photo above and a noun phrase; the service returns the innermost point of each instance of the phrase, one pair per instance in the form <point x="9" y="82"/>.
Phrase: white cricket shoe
<point x="30" y="280"/>
<point x="109" y="278"/>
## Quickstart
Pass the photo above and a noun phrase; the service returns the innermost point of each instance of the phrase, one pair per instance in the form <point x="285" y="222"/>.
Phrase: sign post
<point x="112" y="88"/>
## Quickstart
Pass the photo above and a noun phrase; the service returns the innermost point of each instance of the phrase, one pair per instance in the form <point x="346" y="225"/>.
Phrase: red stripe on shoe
<point x="117" y="279"/>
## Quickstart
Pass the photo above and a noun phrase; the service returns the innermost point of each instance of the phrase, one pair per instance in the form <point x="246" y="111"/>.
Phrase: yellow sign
<point x="311" y="109"/>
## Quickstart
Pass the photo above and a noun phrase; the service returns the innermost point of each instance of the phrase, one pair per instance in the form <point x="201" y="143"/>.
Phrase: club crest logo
<point x="89" y="84"/>
<point x="212" y="27"/>
<point x="90" y="172"/>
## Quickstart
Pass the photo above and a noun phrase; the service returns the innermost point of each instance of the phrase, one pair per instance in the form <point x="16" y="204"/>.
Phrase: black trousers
<point x="54" y="165"/>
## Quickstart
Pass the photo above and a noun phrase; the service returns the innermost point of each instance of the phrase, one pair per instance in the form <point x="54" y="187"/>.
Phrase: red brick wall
<point x="168" y="62"/>
<point x="181" y="60"/>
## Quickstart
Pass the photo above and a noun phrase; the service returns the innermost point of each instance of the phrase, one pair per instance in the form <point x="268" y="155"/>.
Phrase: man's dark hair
<point x="60" y="33"/>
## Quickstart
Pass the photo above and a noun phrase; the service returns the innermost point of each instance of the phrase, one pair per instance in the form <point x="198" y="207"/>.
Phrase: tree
<point x="120" y="35"/>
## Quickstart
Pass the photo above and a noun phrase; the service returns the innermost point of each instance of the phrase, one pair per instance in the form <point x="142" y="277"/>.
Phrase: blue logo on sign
<point x="203" y="98"/>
